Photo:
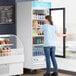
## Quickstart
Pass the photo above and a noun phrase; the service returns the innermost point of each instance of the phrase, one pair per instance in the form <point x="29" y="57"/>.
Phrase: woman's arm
<point x="40" y="30"/>
<point x="37" y="30"/>
<point x="61" y="35"/>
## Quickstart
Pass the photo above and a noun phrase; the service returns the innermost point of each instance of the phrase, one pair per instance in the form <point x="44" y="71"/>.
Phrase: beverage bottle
<point x="0" y="52"/>
<point x="40" y="17"/>
<point x="40" y="51"/>
<point x="36" y="51"/>
<point x="37" y="16"/>
<point x="42" y="33"/>
<point x="41" y="23"/>
<point x="33" y="16"/>
<point x="33" y="41"/>
<point x="38" y="23"/>
<point x="33" y="51"/>
<point x="43" y="17"/>
<point x="38" y="41"/>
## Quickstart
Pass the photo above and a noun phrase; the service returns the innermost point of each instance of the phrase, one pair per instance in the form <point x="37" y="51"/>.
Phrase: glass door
<point x="58" y="17"/>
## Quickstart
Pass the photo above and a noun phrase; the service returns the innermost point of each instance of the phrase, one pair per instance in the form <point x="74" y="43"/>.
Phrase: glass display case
<point x="11" y="55"/>
<point x="10" y="45"/>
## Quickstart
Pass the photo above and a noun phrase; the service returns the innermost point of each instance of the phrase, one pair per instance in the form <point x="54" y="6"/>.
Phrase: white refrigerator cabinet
<point x="30" y="14"/>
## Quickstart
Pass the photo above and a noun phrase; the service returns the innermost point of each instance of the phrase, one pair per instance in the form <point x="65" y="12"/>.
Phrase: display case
<point x="9" y="46"/>
<point x="11" y="55"/>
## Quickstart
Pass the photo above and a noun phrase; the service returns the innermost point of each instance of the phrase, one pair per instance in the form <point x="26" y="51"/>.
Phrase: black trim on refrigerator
<point x="64" y="30"/>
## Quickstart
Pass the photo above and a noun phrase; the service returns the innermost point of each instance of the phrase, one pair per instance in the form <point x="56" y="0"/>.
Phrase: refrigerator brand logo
<point x="41" y="4"/>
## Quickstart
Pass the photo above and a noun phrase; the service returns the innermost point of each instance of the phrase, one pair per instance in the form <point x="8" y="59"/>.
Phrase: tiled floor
<point x="41" y="72"/>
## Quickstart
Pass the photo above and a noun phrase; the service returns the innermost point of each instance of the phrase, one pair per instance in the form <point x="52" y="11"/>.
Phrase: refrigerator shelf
<point x="37" y="44"/>
<point x="36" y="27"/>
<point x="38" y="19"/>
<point x="38" y="35"/>
<point x="6" y="45"/>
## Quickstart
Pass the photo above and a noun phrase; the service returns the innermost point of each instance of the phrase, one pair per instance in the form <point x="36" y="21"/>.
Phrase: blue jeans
<point x="50" y="52"/>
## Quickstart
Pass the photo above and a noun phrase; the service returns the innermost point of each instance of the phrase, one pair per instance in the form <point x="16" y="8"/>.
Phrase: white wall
<point x="70" y="6"/>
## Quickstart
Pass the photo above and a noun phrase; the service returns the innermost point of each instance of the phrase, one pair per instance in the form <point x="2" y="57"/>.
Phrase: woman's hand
<point x="61" y="35"/>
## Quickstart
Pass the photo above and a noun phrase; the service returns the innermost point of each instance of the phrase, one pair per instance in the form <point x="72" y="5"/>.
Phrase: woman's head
<point x="48" y="19"/>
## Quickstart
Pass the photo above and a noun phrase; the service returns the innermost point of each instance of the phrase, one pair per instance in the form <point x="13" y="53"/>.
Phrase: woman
<point x="50" y="32"/>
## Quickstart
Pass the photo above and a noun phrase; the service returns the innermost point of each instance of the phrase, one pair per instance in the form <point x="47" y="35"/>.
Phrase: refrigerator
<point x="29" y="15"/>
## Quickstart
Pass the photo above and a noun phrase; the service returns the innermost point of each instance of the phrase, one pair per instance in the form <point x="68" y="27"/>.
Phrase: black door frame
<point x="64" y="31"/>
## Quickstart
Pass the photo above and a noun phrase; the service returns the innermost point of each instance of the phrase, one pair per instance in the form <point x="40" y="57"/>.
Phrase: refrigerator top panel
<point x="41" y="5"/>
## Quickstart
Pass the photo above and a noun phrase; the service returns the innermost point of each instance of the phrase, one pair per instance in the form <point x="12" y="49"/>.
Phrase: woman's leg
<point x="52" y="53"/>
<point x="47" y="55"/>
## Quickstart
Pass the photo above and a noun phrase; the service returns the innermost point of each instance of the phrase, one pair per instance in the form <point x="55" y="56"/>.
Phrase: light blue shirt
<point x="49" y="34"/>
